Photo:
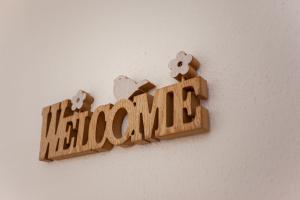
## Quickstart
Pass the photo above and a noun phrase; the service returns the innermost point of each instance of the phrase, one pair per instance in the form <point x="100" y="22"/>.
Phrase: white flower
<point x="183" y="66"/>
<point x="81" y="101"/>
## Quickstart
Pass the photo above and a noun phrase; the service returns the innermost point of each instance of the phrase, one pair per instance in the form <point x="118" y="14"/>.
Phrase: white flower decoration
<point x="184" y="66"/>
<point x="81" y="101"/>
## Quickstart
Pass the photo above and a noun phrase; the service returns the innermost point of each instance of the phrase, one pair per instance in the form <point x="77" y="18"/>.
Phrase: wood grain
<point x="173" y="111"/>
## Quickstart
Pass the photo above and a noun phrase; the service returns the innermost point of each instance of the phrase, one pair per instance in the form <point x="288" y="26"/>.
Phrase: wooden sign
<point x="70" y="129"/>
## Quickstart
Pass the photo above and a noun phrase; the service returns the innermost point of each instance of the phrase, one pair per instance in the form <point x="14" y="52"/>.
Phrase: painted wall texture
<point x="249" y="51"/>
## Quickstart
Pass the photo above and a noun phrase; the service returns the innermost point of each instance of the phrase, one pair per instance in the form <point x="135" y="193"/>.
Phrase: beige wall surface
<point x="249" y="51"/>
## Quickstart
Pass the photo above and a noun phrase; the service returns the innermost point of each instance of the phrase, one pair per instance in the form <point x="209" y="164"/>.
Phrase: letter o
<point x="97" y="130"/>
<point x="116" y="117"/>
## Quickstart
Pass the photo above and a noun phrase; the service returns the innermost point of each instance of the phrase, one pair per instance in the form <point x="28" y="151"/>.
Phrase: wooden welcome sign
<point x="70" y="129"/>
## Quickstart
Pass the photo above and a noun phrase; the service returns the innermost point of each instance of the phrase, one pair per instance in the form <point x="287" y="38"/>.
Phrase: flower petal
<point x="79" y="104"/>
<point x="73" y="107"/>
<point x="74" y="99"/>
<point x="184" y="68"/>
<point x="173" y="64"/>
<point x="83" y="96"/>
<point x="181" y="55"/>
<point x="174" y="73"/>
<point x="79" y="93"/>
<point x="187" y="59"/>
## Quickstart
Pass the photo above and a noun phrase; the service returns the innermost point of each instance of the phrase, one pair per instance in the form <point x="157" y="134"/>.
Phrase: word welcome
<point x="172" y="112"/>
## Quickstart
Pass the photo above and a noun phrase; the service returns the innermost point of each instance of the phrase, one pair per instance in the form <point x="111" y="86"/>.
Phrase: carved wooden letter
<point x="98" y="132"/>
<point x="52" y="122"/>
<point x="114" y="126"/>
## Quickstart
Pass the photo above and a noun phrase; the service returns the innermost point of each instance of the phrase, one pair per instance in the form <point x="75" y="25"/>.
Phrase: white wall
<point x="249" y="52"/>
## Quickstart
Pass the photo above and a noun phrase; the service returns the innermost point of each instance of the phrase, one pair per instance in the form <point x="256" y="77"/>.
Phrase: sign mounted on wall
<point x="70" y="129"/>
